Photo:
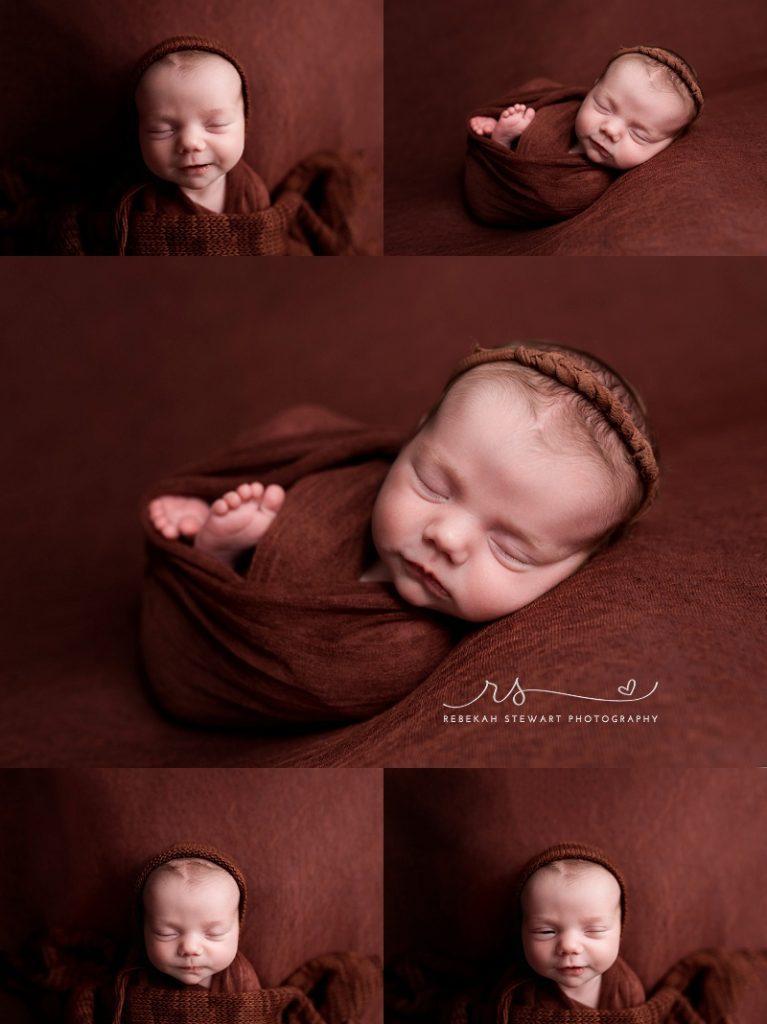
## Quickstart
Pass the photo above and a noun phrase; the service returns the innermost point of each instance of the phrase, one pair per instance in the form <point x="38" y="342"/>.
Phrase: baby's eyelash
<point x="425" y="487"/>
<point x="507" y="556"/>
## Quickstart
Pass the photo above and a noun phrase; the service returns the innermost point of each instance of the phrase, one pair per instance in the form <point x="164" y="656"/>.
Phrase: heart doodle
<point x="629" y="688"/>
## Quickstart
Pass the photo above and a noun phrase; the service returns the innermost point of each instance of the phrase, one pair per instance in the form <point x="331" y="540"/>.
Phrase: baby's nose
<point x="190" y="141"/>
<point x="612" y="129"/>
<point x="188" y="946"/>
<point x="568" y="943"/>
<point x="450" y="536"/>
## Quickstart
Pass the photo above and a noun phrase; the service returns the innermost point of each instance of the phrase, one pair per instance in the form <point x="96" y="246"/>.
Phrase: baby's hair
<point x="574" y="421"/>
<point x="193" y="871"/>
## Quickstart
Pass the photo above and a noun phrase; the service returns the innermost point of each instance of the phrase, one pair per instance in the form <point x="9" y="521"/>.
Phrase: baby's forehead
<point x="642" y="80"/>
<point x="584" y="881"/>
<point x="173" y="75"/>
<point x="214" y="887"/>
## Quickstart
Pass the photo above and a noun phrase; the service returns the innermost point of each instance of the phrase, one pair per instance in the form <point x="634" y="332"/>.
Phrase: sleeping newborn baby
<point x="191" y="920"/>
<point x="510" y="484"/>
<point x="645" y="99"/>
<point x="322" y="574"/>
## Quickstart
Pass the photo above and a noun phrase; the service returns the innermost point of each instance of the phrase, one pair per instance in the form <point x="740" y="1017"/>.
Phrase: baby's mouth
<point x="428" y="579"/>
<point x="600" y="149"/>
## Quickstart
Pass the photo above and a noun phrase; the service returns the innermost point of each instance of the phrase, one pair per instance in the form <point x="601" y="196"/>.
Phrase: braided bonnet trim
<point x="675" y="63"/>
<point x="571" y="374"/>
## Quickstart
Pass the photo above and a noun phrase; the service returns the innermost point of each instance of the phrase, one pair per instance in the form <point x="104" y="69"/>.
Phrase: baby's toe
<point x="189" y="526"/>
<point x="529" y="114"/>
<point x="220" y="506"/>
<point x="274" y="496"/>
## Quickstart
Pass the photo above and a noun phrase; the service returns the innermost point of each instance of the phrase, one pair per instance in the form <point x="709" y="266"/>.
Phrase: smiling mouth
<point x="428" y="579"/>
<point x="600" y="148"/>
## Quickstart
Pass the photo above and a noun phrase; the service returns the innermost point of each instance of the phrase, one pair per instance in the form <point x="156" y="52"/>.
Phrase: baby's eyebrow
<point x="216" y="112"/>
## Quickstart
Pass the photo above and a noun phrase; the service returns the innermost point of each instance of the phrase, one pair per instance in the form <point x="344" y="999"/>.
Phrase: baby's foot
<point x="239" y="520"/>
<point x="512" y="123"/>
<point x="482" y="125"/>
<point x="174" y="515"/>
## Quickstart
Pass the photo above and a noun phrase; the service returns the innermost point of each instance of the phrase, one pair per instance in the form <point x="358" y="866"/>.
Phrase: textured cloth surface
<point x="157" y="219"/>
<point x="305" y="898"/>
<point x="334" y="989"/>
<point x="679" y="600"/>
<point x="705" y="194"/>
<point x="539" y="180"/>
<point x="300" y="638"/>
<point x="687" y="843"/>
<point x="316" y="86"/>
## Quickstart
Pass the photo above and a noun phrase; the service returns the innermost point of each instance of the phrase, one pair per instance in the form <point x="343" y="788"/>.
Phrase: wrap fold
<point x="539" y="181"/>
<point x="299" y="638"/>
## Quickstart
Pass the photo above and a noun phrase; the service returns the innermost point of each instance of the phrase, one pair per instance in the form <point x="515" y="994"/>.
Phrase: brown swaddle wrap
<point x="700" y="989"/>
<point x="332" y="989"/>
<point x="299" y="638"/>
<point x="539" y="181"/>
<point x="310" y="214"/>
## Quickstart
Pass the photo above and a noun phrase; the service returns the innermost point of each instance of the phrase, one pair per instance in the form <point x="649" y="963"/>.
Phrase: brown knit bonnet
<point x="674" y="62"/>
<point x="177" y="43"/>
<point x="184" y="851"/>
<point x="569" y="368"/>
<point x="572" y="851"/>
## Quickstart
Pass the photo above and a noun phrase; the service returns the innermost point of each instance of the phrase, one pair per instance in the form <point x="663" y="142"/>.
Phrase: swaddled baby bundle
<point x="332" y="989"/>
<point x="310" y="212"/>
<point x="298" y="638"/>
<point x="539" y="181"/>
<point x="701" y="988"/>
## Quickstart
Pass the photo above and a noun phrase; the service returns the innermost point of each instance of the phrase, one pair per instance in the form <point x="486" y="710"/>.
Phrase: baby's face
<point x="477" y="516"/>
<point x="572" y="928"/>
<point x="191" y="931"/>
<point x="626" y="119"/>
<point x="191" y="123"/>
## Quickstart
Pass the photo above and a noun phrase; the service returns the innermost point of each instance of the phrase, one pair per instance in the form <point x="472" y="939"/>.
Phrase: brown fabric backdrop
<point x="308" y="841"/>
<point x="706" y="195"/>
<point x="108" y="394"/>
<point x="689" y="843"/>
<point x="315" y="74"/>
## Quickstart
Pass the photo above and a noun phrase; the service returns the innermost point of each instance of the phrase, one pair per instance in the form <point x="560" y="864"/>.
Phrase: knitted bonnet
<point x="184" y="851"/>
<point x="572" y="851"/>
<point x="177" y="43"/>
